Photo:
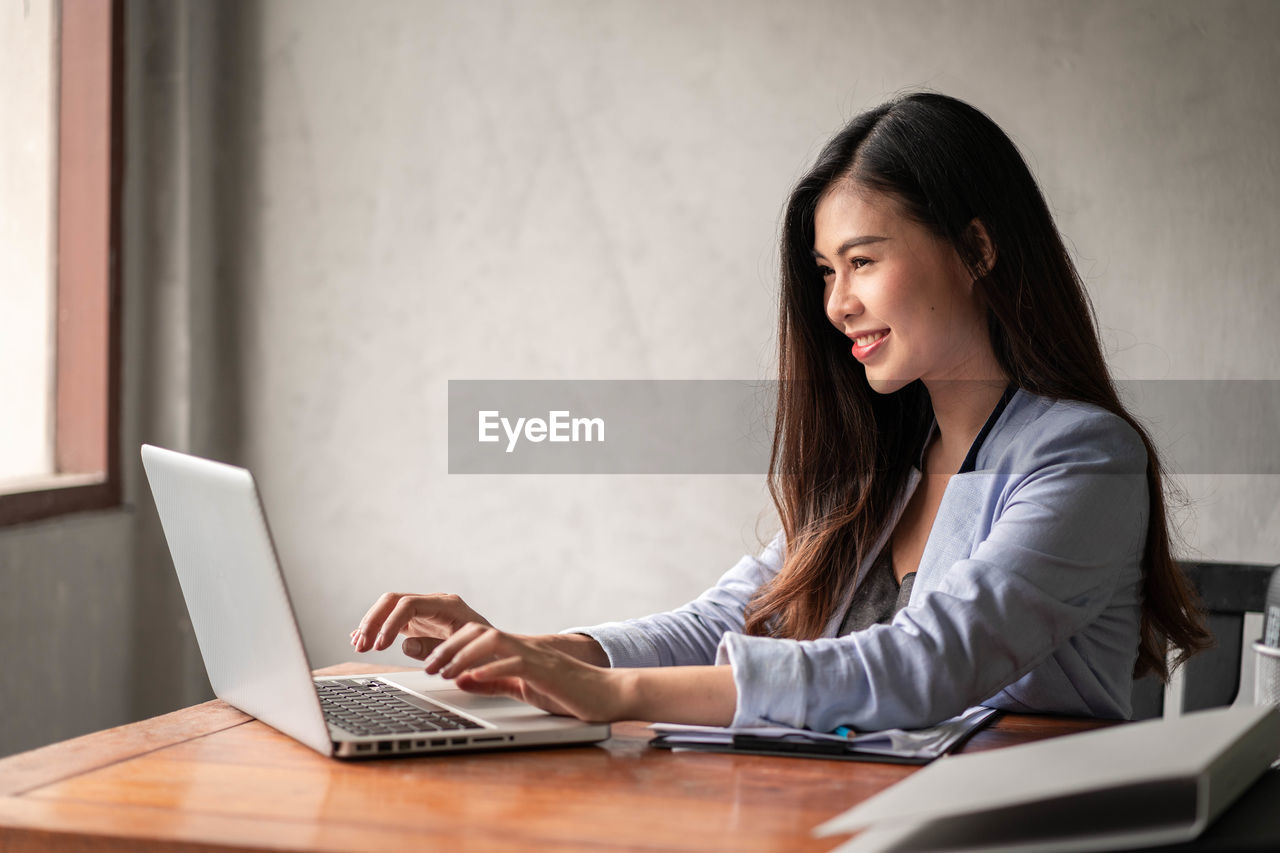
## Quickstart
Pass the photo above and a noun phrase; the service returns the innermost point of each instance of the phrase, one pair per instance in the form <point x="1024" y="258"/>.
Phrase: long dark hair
<point x="841" y="452"/>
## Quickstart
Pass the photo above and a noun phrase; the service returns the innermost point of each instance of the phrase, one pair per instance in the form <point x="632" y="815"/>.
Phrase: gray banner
<point x="725" y="427"/>
<point x="609" y="426"/>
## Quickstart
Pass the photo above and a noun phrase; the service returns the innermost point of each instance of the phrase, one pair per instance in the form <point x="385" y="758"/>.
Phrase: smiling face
<point x="901" y="295"/>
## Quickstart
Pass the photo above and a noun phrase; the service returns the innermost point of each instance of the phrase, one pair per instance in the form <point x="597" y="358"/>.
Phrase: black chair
<point x="1211" y="679"/>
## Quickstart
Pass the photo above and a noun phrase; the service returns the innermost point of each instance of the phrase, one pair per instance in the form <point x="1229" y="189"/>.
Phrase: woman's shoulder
<point x="1043" y="430"/>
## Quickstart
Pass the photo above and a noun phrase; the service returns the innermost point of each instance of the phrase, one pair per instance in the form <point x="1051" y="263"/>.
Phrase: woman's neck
<point x="961" y="408"/>
<point x="963" y="394"/>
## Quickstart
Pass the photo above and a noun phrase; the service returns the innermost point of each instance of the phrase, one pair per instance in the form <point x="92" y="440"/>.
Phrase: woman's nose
<point x="842" y="303"/>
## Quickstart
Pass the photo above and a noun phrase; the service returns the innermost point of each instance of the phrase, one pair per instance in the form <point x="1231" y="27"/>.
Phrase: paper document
<point x="916" y="746"/>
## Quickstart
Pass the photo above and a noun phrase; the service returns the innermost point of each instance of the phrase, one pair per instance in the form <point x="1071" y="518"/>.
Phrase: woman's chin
<point x="886" y="384"/>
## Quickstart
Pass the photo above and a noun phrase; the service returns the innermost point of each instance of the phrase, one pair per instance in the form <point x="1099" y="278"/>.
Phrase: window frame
<point x="87" y="372"/>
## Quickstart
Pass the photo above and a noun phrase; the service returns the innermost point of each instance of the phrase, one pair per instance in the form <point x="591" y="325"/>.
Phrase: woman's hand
<point x="484" y="660"/>
<point x="426" y="620"/>
<point x="562" y="673"/>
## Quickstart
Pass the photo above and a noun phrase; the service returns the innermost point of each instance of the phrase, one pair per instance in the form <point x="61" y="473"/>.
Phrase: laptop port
<point x="488" y="739"/>
<point x="457" y="741"/>
<point x="419" y="743"/>
<point x="364" y="747"/>
<point x="384" y="746"/>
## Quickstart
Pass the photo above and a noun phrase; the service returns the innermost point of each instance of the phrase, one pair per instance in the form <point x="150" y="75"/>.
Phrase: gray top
<point x="879" y="597"/>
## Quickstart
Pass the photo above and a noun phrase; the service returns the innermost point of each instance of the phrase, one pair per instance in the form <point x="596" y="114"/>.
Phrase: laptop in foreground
<point x="216" y="527"/>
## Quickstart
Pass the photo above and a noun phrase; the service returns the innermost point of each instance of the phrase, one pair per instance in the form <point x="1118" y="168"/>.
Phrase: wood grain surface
<point x="209" y="777"/>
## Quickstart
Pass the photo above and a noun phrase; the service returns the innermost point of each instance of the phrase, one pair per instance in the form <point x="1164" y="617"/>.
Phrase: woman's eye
<point x="825" y="271"/>
<point x="859" y="263"/>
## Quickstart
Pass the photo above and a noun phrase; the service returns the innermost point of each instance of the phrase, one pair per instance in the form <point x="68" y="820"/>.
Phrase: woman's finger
<point x="484" y="647"/>
<point x="513" y="666"/>
<point x="500" y="677"/>
<point x="408" y="607"/>
<point x="419" y="648"/>
<point x="444" y="652"/>
<point x="371" y="624"/>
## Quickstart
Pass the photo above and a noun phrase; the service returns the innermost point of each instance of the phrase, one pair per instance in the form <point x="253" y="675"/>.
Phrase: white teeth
<point x="864" y="340"/>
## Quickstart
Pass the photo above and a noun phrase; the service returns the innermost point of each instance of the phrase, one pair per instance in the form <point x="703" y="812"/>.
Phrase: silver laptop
<point x="217" y="531"/>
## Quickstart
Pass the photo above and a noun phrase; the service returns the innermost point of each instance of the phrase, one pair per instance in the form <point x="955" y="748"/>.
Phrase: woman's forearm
<point x="693" y="695"/>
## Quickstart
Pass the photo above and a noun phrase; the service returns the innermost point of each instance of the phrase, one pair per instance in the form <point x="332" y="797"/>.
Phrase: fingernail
<point x="413" y="647"/>
<point x="382" y="641"/>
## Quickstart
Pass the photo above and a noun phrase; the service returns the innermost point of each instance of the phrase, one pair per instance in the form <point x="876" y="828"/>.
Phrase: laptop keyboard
<point x="376" y="708"/>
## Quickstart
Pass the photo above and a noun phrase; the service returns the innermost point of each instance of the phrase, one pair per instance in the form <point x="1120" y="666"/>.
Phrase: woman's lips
<point x="870" y="343"/>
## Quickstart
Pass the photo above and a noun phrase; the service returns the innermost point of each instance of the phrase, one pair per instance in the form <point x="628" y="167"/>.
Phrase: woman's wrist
<point x="580" y="646"/>
<point x="626" y="690"/>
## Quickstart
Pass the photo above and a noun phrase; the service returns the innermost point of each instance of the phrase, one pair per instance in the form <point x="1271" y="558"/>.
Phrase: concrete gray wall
<point x="377" y="198"/>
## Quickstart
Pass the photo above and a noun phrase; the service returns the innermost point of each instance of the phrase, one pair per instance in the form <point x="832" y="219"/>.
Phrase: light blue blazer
<point x="1027" y="596"/>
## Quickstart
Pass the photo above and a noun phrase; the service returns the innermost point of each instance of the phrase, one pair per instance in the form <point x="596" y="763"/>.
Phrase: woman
<point x="969" y="515"/>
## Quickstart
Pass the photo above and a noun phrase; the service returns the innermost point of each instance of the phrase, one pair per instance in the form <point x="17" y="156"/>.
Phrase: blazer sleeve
<point x="1062" y="535"/>
<point x="689" y="635"/>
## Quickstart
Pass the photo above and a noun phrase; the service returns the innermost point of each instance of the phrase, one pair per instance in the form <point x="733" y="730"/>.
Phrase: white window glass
<point x="28" y="150"/>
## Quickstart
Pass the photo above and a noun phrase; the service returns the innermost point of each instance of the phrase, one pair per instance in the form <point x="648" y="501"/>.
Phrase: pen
<point x="845" y="731"/>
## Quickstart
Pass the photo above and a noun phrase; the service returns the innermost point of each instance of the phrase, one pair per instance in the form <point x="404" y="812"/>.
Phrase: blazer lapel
<point x="955" y="528"/>
<point x="965" y="515"/>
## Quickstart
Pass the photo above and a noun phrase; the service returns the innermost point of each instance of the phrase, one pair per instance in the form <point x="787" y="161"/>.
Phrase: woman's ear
<point x="984" y="244"/>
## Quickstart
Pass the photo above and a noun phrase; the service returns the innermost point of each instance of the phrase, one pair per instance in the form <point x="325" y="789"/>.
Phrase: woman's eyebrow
<point x="853" y="242"/>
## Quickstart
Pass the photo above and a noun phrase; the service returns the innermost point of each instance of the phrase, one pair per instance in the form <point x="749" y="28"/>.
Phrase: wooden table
<point x="209" y="777"/>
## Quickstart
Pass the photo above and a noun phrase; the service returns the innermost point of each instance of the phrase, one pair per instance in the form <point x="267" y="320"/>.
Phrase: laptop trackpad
<point x="442" y="690"/>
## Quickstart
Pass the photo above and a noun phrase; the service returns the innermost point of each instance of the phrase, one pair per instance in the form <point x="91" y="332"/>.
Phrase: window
<point x="59" y="257"/>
